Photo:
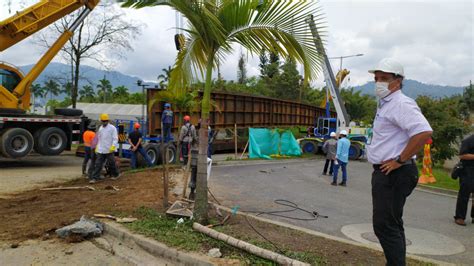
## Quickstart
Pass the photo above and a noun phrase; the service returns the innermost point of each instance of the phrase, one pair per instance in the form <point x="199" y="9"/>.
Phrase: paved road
<point x="36" y="170"/>
<point x="255" y="187"/>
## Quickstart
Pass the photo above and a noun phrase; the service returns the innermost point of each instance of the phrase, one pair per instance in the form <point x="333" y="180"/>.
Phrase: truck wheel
<point x="68" y="111"/>
<point x="50" y="141"/>
<point x="152" y="151"/>
<point x="171" y="150"/>
<point x="309" y="146"/>
<point x="354" y="151"/>
<point x="16" y="143"/>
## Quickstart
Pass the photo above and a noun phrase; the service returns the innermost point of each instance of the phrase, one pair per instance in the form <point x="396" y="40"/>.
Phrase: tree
<point x="263" y="63"/>
<point x="105" y="34"/>
<point x="360" y="107"/>
<point x="105" y="89"/>
<point x="86" y="94"/>
<point x="37" y="91"/>
<point x="165" y="77"/>
<point x="213" y="26"/>
<point x="52" y="88"/>
<point x="287" y="85"/>
<point x="242" y="70"/>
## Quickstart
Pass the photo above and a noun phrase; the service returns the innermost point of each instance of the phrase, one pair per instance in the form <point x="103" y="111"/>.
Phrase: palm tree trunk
<point x="201" y="205"/>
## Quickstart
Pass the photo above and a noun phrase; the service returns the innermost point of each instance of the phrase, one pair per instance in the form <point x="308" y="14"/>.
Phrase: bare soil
<point x="36" y="213"/>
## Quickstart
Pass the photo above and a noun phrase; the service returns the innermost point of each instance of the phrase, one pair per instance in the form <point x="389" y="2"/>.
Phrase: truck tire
<point x="16" y="143"/>
<point x="354" y="151"/>
<point x="68" y="112"/>
<point x="309" y="146"/>
<point x="50" y="141"/>
<point x="153" y="152"/>
<point x="171" y="149"/>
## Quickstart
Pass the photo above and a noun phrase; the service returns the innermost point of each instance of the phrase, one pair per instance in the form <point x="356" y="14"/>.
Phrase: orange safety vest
<point x="88" y="136"/>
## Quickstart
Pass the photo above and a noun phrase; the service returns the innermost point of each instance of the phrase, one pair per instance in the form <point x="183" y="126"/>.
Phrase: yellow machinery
<point x="14" y="87"/>
<point x="21" y="132"/>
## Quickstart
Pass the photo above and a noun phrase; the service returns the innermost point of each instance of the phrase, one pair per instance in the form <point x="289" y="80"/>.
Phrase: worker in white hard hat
<point x="329" y="147"/>
<point x="342" y="158"/>
<point x="400" y="130"/>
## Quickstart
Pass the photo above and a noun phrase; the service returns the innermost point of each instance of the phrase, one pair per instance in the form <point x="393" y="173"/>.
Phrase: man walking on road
<point x="342" y="158"/>
<point x="466" y="181"/>
<point x="135" y="140"/>
<point x="107" y="140"/>
<point x="329" y="148"/>
<point x="400" y="131"/>
<point x="87" y="137"/>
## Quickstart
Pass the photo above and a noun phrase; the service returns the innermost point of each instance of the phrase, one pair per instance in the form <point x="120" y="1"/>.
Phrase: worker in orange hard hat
<point x="135" y="139"/>
<point x="188" y="139"/>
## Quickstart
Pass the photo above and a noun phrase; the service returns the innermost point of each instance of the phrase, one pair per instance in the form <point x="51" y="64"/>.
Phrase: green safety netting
<point x="267" y="143"/>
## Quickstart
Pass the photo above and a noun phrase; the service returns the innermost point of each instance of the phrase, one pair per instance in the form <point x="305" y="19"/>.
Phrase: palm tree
<point x="86" y="93"/>
<point x="120" y="91"/>
<point x="213" y="26"/>
<point x="36" y="91"/>
<point x="165" y="77"/>
<point x="52" y="88"/>
<point x="105" y="88"/>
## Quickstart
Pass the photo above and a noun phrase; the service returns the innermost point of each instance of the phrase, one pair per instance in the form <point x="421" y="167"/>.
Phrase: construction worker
<point x="87" y="137"/>
<point x="466" y="181"/>
<point x="342" y="158"/>
<point x="107" y="140"/>
<point x="167" y="120"/>
<point x="187" y="138"/>
<point x="329" y="147"/>
<point x="135" y="140"/>
<point x="399" y="133"/>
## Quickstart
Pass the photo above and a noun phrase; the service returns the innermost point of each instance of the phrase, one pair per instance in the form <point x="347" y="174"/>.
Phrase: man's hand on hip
<point x="389" y="166"/>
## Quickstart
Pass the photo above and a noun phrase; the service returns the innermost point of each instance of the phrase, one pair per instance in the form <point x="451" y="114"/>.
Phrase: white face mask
<point x="381" y="89"/>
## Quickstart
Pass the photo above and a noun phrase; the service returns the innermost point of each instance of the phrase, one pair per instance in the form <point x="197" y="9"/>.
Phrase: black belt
<point x="411" y="161"/>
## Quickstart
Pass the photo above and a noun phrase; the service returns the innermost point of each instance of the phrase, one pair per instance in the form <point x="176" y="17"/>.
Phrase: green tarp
<point x="264" y="143"/>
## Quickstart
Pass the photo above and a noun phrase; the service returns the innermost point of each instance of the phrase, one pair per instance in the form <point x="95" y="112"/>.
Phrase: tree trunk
<point x="201" y="205"/>
<point x="75" y="83"/>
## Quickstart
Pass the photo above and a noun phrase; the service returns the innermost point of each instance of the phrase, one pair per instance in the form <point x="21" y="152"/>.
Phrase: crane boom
<point x="329" y="78"/>
<point x="33" y="19"/>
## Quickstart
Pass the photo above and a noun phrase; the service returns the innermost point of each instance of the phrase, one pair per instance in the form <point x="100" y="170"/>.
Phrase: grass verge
<point x="443" y="178"/>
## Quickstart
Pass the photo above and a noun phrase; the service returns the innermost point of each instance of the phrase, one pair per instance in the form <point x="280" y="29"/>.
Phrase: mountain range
<point x="91" y="76"/>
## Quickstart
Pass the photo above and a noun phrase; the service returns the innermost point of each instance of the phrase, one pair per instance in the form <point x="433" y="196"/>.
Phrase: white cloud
<point x="433" y="39"/>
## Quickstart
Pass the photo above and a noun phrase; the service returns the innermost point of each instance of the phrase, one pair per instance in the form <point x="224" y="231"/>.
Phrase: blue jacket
<point x="167" y="117"/>
<point x="343" y="149"/>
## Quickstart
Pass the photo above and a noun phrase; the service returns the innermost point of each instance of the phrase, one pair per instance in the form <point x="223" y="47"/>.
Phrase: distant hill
<point x="413" y="89"/>
<point x="91" y="76"/>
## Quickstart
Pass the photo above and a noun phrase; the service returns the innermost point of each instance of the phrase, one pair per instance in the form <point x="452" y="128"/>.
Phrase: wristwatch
<point x="398" y="160"/>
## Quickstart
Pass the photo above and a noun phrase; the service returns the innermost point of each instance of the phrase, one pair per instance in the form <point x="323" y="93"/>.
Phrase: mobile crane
<point x="20" y="132"/>
<point x="325" y="125"/>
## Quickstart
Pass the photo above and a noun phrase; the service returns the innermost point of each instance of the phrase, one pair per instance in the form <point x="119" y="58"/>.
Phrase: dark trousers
<point x="145" y="156"/>
<point x="466" y="187"/>
<point x="185" y="152"/>
<point x="99" y="164"/>
<point x="166" y="132"/>
<point x="87" y="157"/>
<point x="90" y="171"/>
<point x="389" y="193"/>
<point x="326" y="166"/>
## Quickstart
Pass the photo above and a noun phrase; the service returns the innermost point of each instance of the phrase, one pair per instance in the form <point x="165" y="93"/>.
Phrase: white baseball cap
<point x="333" y="134"/>
<point x="343" y="132"/>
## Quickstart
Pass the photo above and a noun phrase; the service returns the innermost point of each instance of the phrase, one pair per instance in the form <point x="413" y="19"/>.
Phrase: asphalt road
<point x="428" y="217"/>
<point x="36" y="171"/>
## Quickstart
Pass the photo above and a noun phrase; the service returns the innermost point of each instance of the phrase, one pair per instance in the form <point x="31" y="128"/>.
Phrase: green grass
<point x="443" y="178"/>
<point x="166" y="230"/>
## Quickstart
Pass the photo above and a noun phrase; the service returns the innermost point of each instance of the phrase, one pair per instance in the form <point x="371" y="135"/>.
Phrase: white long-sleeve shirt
<point x="106" y="138"/>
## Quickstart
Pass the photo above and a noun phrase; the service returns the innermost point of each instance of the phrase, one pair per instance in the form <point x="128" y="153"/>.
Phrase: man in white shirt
<point x="400" y="131"/>
<point x="107" y="140"/>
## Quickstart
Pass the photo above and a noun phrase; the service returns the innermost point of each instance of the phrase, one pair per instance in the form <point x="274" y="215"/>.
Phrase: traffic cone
<point x="427" y="170"/>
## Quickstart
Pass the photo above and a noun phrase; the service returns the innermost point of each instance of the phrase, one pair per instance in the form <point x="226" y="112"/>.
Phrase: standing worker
<point x="107" y="140"/>
<point x="400" y="131"/>
<point x="342" y="158"/>
<point x="466" y="181"/>
<point x="87" y="137"/>
<point x="135" y="140"/>
<point x="186" y="137"/>
<point x="329" y="148"/>
<point x="167" y="120"/>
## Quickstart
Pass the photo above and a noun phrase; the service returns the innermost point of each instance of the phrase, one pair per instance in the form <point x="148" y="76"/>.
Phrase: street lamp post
<point x="342" y="57"/>
<point x="144" y="86"/>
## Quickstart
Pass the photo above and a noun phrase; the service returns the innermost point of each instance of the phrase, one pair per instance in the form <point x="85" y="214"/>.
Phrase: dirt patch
<point x="36" y="213"/>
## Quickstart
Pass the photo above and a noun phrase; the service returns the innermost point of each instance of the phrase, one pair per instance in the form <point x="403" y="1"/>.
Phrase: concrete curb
<point x="258" y="162"/>
<point x="153" y="247"/>
<point x="443" y="191"/>
<point x="330" y="237"/>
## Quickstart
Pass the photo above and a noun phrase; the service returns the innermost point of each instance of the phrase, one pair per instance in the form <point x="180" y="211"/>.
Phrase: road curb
<point x="444" y="191"/>
<point x="154" y="247"/>
<point x="330" y="237"/>
<point x="259" y="162"/>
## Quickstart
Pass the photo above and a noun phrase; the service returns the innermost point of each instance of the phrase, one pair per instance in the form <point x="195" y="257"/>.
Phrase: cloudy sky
<point x="433" y="39"/>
